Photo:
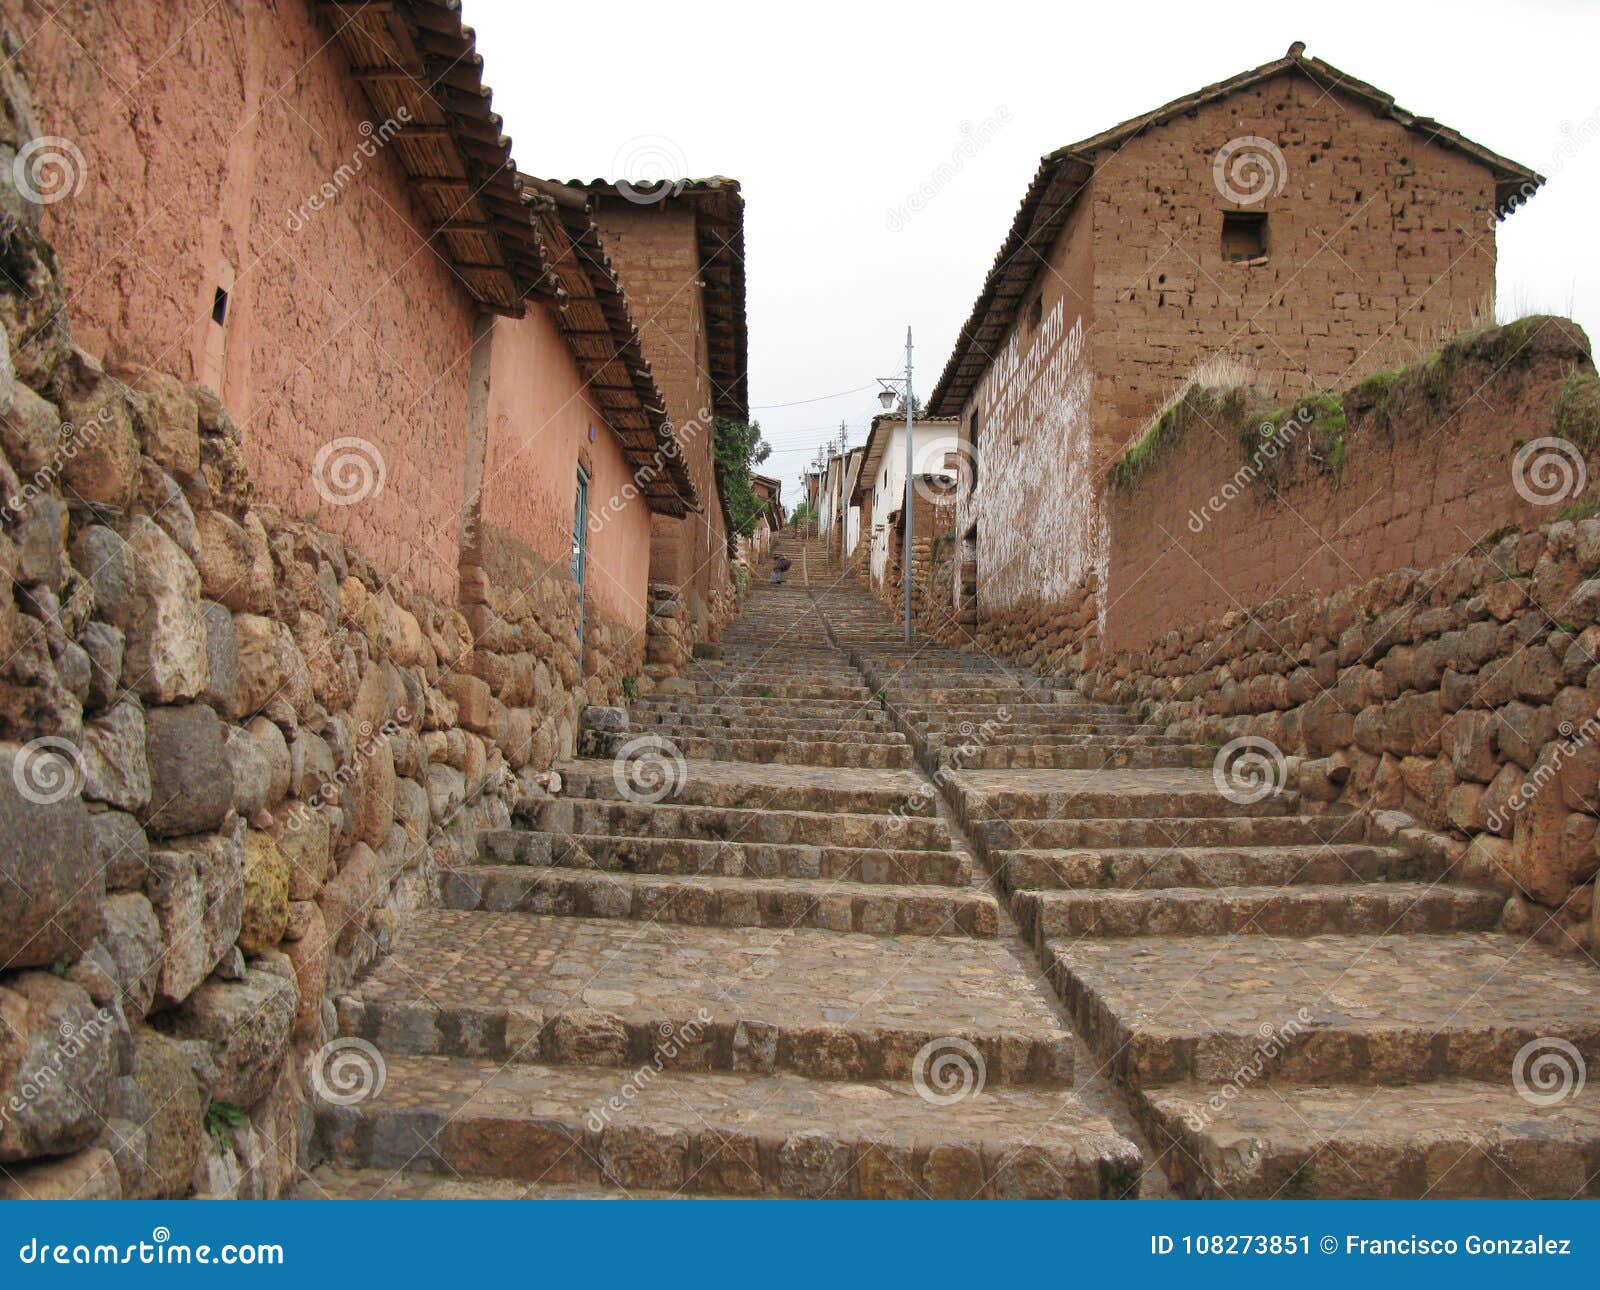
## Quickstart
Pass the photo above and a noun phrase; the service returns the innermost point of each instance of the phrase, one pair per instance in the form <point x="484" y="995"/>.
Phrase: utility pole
<point x="910" y="421"/>
<point x="839" y="513"/>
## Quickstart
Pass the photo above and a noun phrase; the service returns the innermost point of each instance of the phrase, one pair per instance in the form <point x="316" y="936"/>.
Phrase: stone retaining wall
<point x="231" y="751"/>
<point x="1466" y="694"/>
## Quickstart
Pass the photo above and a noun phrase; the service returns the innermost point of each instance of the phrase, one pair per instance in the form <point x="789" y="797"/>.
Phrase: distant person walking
<point x="780" y="566"/>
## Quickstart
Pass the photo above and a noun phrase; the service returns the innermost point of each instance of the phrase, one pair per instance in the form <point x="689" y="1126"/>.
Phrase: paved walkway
<point x="756" y="951"/>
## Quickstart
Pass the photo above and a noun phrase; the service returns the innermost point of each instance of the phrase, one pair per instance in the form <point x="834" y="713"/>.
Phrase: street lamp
<point x="886" y="397"/>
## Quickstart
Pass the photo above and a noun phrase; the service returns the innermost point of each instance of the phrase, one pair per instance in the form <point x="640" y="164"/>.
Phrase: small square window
<point x="1244" y="235"/>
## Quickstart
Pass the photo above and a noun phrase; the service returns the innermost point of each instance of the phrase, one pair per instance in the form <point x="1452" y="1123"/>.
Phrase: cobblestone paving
<point x="773" y="976"/>
<point x="1191" y="934"/>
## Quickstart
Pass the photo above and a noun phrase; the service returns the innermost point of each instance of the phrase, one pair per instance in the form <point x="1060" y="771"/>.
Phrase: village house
<point x="880" y="487"/>
<point x="837" y="518"/>
<point x="342" y="454"/>
<point x="768" y="523"/>
<point x="851" y="509"/>
<point x="381" y="303"/>
<point x="678" y="249"/>
<point x="1290" y="228"/>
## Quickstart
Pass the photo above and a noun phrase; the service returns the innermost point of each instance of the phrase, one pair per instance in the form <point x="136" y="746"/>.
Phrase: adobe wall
<point x="1380" y="245"/>
<point x="1465" y="694"/>
<point x="234" y="748"/>
<point x="198" y="164"/>
<point x="1405" y="469"/>
<point x="654" y="250"/>
<point x="1035" y="505"/>
<point x="539" y="420"/>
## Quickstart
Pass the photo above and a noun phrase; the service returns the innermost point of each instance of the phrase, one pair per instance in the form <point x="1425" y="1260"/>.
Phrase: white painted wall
<point x="930" y="441"/>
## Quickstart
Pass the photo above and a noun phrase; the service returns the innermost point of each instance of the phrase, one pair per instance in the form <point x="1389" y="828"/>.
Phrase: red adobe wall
<point x="203" y="129"/>
<point x="1200" y="532"/>
<point x="1380" y="245"/>
<point x="538" y="427"/>
<point x="654" y="250"/>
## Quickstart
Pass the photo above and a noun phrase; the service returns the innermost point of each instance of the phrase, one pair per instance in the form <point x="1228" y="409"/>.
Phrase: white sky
<point x="832" y="114"/>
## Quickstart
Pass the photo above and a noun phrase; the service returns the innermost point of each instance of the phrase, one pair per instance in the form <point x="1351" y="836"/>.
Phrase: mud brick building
<point x="384" y="279"/>
<point x="678" y="249"/>
<point x="1292" y="222"/>
<point x="880" y="487"/>
<point x="329" y="452"/>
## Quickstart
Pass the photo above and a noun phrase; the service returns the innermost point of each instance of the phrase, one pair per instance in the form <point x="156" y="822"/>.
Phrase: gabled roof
<point x="598" y="328"/>
<point x="883" y="428"/>
<point x="1062" y="174"/>
<point x="718" y="205"/>
<point x="420" y="71"/>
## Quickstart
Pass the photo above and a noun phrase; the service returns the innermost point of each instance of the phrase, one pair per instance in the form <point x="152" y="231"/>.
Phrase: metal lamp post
<point x="886" y="397"/>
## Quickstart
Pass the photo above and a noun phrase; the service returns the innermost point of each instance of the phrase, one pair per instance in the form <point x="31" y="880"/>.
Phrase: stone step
<point x="1181" y="832"/>
<point x="1105" y="794"/>
<point x="1045" y="732"/>
<point x="768" y="787"/>
<point x="327" y="1182"/>
<point x="1204" y="867"/>
<point x="889" y="753"/>
<point x="1117" y="754"/>
<point x="536" y="988"/>
<point x="734" y="824"/>
<point x="739" y="859"/>
<point x="756" y="710"/>
<point x="688" y="1131"/>
<point x="1337" y="1009"/>
<point x="708" y="900"/>
<point x="1375" y="908"/>
<point x="781" y="690"/>
<point x="1022" y="715"/>
<point x="1444" y="1140"/>
<point x="709" y="723"/>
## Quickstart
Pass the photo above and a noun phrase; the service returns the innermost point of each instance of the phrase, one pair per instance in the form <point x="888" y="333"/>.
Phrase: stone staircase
<point x="870" y="860"/>
<point x="748" y="953"/>
<point x="1294" y="1005"/>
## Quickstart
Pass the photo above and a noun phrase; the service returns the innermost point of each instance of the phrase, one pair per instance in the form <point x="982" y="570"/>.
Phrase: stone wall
<point x="1228" y="499"/>
<point x="201" y="181"/>
<point x="232" y="749"/>
<point x="1465" y="693"/>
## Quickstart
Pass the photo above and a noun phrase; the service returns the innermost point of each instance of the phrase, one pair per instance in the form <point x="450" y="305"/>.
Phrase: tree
<point x="740" y="448"/>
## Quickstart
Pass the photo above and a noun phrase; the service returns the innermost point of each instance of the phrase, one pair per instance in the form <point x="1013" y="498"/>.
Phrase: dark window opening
<point x="219" y="307"/>
<point x="972" y="460"/>
<point x="1244" y="235"/>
